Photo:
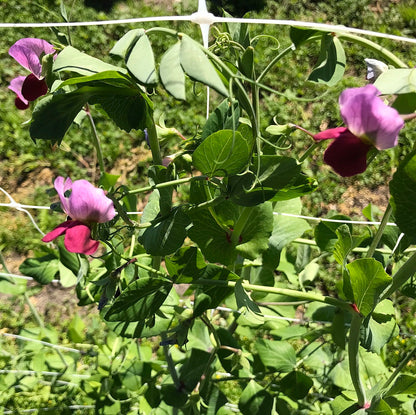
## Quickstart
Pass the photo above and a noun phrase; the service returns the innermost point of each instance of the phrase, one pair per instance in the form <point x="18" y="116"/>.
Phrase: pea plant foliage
<point x="210" y="271"/>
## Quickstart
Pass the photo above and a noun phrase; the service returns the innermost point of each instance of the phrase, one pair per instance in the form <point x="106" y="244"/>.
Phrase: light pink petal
<point x="29" y="51"/>
<point x="78" y="240"/>
<point x="368" y="117"/>
<point x="89" y="204"/>
<point x="61" y="186"/>
<point x="33" y="87"/>
<point x="16" y="86"/>
<point x="347" y="155"/>
<point x="330" y="134"/>
<point x="58" y="231"/>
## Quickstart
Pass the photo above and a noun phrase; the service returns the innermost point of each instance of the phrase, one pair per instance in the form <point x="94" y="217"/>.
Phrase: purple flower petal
<point x="61" y="186"/>
<point x="33" y="87"/>
<point x="29" y="51"/>
<point x="78" y="240"/>
<point x="89" y="204"/>
<point x="347" y="154"/>
<point x="16" y="86"/>
<point x="368" y="117"/>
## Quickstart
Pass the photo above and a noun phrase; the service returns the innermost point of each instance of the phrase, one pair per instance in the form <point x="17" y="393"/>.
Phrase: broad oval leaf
<point x="367" y="280"/>
<point x="223" y="153"/>
<point x="124" y="44"/>
<point x="42" y="269"/>
<point x="277" y="355"/>
<point x="140" y="300"/>
<point x="171" y="72"/>
<point x="73" y="60"/>
<point x="198" y="67"/>
<point x="141" y="62"/>
<point x="397" y="81"/>
<point x="331" y="62"/>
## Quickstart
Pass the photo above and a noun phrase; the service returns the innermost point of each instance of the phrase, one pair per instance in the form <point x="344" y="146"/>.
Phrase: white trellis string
<point x="54" y="346"/>
<point x="202" y="17"/>
<point x="14" y="205"/>
<point x="18" y="206"/>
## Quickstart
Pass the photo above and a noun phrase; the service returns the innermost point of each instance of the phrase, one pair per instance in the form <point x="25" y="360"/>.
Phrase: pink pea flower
<point x="369" y="123"/>
<point x="29" y="52"/>
<point x="85" y="205"/>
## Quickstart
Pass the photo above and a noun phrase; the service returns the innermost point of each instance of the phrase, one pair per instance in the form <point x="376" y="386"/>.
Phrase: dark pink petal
<point x="33" y="87"/>
<point x="368" y="117"/>
<point x="16" y="86"/>
<point x="347" y="155"/>
<point x="78" y="240"/>
<point x="20" y="105"/>
<point x="29" y="51"/>
<point x="89" y="204"/>
<point x="331" y="133"/>
<point x="61" y="186"/>
<point x="58" y="231"/>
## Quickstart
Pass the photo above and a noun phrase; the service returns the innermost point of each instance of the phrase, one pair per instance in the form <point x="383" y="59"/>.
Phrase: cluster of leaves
<point x="227" y="247"/>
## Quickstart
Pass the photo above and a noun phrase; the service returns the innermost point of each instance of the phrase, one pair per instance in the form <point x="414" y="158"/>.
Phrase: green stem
<point x="310" y="150"/>
<point x="274" y="61"/>
<point x="385" y="53"/>
<point x="95" y="139"/>
<point x="153" y="140"/>
<point x="171" y="365"/>
<point x="353" y="358"/>
<point x="407" y="270"/>
<point x="166" y="184"/>
<point x="379" y="232"/>
<point x="300" y="295"/>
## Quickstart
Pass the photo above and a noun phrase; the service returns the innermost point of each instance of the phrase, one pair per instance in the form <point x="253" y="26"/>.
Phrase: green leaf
<point x="251" y="311"/>
<point x="343" y="245"/>
<point x="42" y="270"/>
<point x="378" y="331"/>
<point x="277" y="355"/>
<point x="198" y="67"/>
<point x="368" y="279"/>
<point x="224" y="117"/>
<point x="139" y="300"/>
<point x="125" y="106"/>
<point x="172" y="396"/>
<point x="403" y="192"/>
<point x="193" y="368"/>
<point x="299" y="35"/>
<point x="141" y="61"/>
<point x="330" y="67"/>
<point x="268" y="174"/>
<point x="66" y="276"/>
<point x="380" y="408"/>
<point x="186" y="265"/>
<point x="71" y="59"/>
<point x="397" y="81"/>
<point x="255" y="400"/>
<point x="76" y="329"/>
<point x="405" y="103"/>
<point x="296" y="385"/>
<point x="223" y="153"/>
<point x="123" y="45"/>
<point x="403" y="385"/>
<point x="171" y="72"/>
<point x="215" y="241"/>
<point x="164" y="237"/>
<point x="246" y="62"/>
<point x="325" y="232"/>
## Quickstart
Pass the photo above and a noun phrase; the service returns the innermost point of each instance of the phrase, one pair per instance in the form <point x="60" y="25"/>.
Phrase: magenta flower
<point x="29" y="52"/>
<point x="369" y="123"/>
<point x="85" y="205"/>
